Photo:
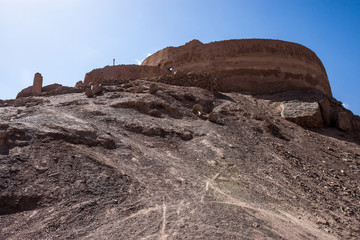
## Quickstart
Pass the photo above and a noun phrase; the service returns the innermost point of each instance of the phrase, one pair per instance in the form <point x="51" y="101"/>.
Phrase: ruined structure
<point x="37" y="86"/>
<point x="253" y="65"/>
<point x="119" y="72"/>
<point x="35" y="89"/>
<point x="257" y="66"/>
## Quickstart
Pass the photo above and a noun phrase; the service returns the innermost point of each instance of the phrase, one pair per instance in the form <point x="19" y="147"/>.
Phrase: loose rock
<point x="213" y="117"/>
<point x="197" y="109"/>
<point x="153" y="88"/>
<point x="96" y="88"/>
<point x="138" y="89"/>
<point x="89" y="93"/>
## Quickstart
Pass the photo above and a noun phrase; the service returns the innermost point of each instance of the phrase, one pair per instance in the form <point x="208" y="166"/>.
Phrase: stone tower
<point x="37" y="86"/>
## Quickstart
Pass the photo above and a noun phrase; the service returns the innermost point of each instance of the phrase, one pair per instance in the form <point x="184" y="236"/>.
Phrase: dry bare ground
<point x="127" y="165"/>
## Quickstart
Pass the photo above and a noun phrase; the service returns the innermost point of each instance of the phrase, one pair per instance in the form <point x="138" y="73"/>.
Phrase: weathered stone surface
<point x="26" y="92"/>
<point x="325" y="110"/>
<point x="96" y="88"/>
<point x="213" y="117"/>
<point x="37" y="86"/>
<point x="356" y="123"/>
<point x="52" y="88"/>
<point x="2" y="134"/>
<point x="155" y="113"/>
<point x="4" y="150"/>
<point x="89" y="93"/>
<point x="254" y="65"/>
<point x="122" y="72"/>
<point x="306" y="114"/>
<point x="197" y="109"/>
<point x="138" y="89"/>
<point x="344" y="121"/>
<point x="153" y="88"/>
<point x="204" y="81"/>
<point x="79" y="84"/>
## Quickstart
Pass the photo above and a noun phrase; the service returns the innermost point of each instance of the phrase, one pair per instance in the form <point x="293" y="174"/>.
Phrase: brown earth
<point x="128" y="164"/>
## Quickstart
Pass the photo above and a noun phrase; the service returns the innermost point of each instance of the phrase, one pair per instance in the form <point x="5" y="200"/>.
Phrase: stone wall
<point x="121" y="72"/>
<point x="253" y="65"/>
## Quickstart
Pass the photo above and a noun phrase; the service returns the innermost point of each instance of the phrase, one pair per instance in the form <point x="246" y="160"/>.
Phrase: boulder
<point x="79" y="84"/>
<point x="197" y="109"/>
<point x="138" y="89"/>
<point x="213" y="117"/>
<point x="96" y="88"/>
<point x="89" y="93"/>
<point x="344" y="121"/>
<point x="155" y="113"/>
<point x="26" y="92"/>
<point x="305" y="114"/>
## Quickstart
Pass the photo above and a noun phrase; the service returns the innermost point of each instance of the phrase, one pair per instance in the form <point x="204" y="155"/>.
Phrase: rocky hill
<point x="176" y="156"/>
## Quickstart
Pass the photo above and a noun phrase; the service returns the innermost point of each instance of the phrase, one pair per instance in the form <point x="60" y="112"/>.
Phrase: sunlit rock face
<point x="254" y="65"/>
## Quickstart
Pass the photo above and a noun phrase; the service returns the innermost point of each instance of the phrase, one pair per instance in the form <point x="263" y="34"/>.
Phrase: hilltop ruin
<point x="253" y="66"/>
<point x="257" y="66"/>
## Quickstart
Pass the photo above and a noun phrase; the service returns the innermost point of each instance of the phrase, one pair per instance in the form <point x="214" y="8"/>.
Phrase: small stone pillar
<point x="37" y="86"/>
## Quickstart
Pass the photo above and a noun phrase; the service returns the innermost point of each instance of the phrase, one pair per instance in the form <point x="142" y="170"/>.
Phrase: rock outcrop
<point x="306" y="114"/>
<point x="325" y="108"/>
<point x="356" y="123"/>
<point x="125" y="165"/>
<point x="52" y="88"/>
<point x="253" y="65"/>
<point x="26" y="92"/>
<point x="344" y="121"/>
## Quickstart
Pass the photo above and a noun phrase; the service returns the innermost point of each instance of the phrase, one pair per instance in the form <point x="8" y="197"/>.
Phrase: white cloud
<point x="346" y="105"/>
<point x="139" y="62"/>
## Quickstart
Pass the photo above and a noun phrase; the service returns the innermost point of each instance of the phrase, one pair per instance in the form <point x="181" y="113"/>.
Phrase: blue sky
<point x="64" y="39"/>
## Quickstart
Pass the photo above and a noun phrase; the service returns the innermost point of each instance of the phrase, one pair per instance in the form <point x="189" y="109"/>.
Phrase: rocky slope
<point x="130" y="164"/>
